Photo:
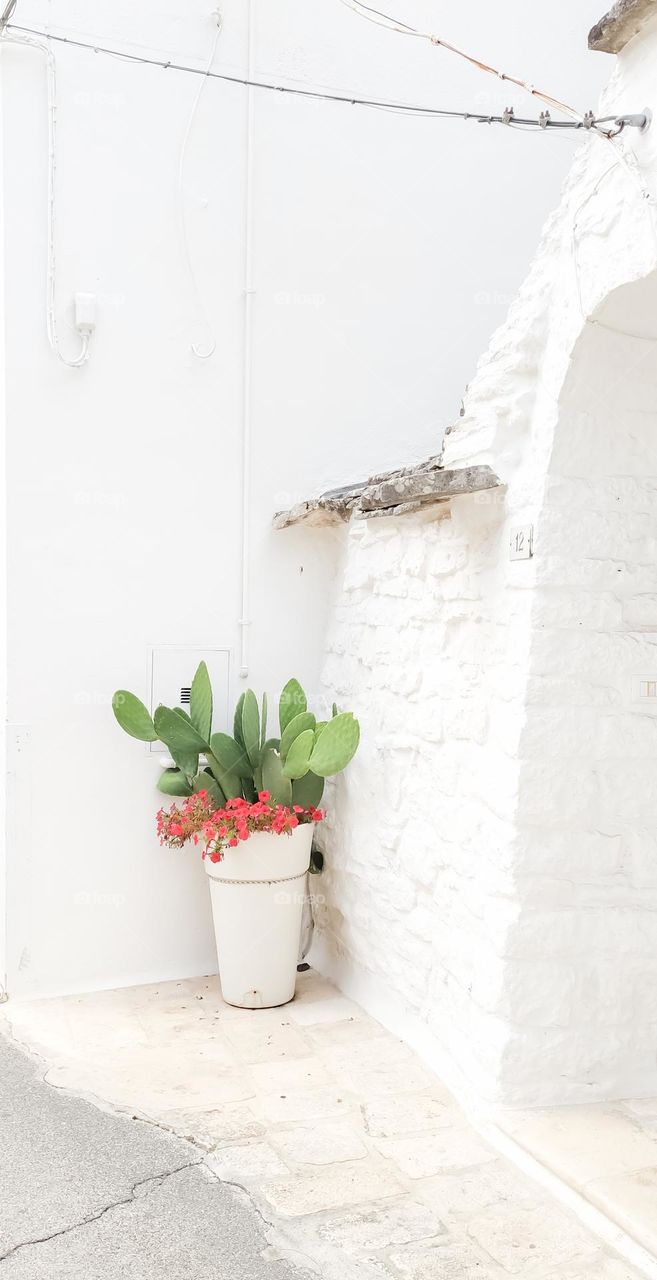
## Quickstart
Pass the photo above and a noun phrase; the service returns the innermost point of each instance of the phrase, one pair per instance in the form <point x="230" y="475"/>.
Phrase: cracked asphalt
<point x="87" y="1194"/>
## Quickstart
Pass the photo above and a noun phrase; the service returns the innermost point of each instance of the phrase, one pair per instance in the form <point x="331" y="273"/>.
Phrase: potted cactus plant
<point x="250" y="802"/>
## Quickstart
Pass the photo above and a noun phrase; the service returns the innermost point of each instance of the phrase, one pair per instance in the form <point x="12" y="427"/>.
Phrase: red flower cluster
<point x="197" y="818"/>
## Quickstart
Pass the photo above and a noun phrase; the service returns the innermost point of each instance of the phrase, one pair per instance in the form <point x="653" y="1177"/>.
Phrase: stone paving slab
<point x="608" y="1153"/>
<point x="354" y="1153"/>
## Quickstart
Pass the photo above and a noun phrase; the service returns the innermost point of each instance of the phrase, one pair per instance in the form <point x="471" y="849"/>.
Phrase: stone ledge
<point x="623" y="22"/>
<point x="394" y="493"/>
<point x="317" y="512"/>
<point x="427" y="486"/>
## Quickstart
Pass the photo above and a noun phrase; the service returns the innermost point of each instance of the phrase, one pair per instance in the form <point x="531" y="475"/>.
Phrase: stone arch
<point x="582" y="957"/>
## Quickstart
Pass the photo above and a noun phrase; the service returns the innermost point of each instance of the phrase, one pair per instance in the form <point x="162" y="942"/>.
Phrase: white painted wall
<point x="385" y="251"/>
<point x="490" y="884"/>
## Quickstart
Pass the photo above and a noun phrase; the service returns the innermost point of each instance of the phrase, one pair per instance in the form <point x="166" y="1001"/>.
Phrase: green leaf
<point x="248" y="790"/>
<point x="308" y="791"/>
<point x="305" y="720"/>
<point x="251" y="726"/>
<point x="229" y="782"/>
<point x="231" y="756"/>
<point x="280" y="788"/>
<point x="291" y="703"/>
<point x="200" y="703"/>
<point x="205" y="782"/>
<point x="336" y="745"/>
<point x="186" y="760"/>
<point x="263" y="721"/>
<point x="173" y="783"/>
<point x="298" y="757"/>
<point x="133" y="716"/>
<point x="237" y="720"/>
<point x="176" y="732"/>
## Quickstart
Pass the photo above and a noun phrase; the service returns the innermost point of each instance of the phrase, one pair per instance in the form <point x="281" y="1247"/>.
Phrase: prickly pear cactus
<point x="292" y="768"/>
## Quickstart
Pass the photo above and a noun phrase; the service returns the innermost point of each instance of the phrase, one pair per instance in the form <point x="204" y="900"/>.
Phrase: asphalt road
<point x="91" y="1196"/>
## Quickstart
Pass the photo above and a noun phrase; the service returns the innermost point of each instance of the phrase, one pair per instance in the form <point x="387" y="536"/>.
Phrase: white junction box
<point x="172" y="671"/>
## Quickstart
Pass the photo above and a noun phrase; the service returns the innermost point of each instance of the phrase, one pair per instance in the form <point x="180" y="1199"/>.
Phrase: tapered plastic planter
<point x="257" y="893"/>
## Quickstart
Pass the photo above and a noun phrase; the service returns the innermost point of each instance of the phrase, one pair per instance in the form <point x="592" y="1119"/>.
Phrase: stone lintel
<point x="623" y="22"/>
<point x="428" y="486"/>
<point x="431" y="464"/>
<point x="400" y="493"/>
<point x="317" y="512"/>
<point x="403" y="509"/>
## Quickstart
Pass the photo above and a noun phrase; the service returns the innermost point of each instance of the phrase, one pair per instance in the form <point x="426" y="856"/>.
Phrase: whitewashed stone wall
<point x="492" y="860"/>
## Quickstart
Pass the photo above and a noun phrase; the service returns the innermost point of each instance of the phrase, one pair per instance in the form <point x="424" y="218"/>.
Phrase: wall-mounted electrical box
<point x="171" y="674"/>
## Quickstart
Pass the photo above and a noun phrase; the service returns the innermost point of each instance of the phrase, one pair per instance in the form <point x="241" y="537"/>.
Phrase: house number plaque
<point x="521" y="546"/>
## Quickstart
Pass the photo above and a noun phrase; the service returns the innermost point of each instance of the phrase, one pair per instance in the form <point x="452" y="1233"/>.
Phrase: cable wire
<point x="390" y="23"/>
<point x="402" y="108"/>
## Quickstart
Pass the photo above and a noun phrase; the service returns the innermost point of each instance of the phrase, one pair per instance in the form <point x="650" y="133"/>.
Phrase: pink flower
<point x="196" y="818"/>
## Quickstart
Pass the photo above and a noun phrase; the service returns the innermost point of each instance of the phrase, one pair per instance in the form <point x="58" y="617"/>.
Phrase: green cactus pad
<point x="291" y="703"/>
<point x="237" y="720"/>
<point x="251" y="726"/>
<point x="200" y="703"/>
<point x="336" y="745"/>
<point x="249" y="791"/>
<point x="176" y="732"/>
<point x="205" y="782"/>
<point x="298" y="757"/>
<point x="173" y="783"/>
<point x="263" y="721"/>
<point x="229" y="782"/>
<point x="308" y="791"/>
<point x="280" y="788"/>
<point x="231" y="756"/>
<point x="305" y="720"/>
<point x="186" y="760"/>
<point x="133" y="716"/>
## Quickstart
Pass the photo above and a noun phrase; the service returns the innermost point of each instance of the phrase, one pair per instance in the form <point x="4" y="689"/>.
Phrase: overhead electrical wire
<point x="640" y="120"/>
<point x="390" y="23"/>
<point x="508" y="118"/>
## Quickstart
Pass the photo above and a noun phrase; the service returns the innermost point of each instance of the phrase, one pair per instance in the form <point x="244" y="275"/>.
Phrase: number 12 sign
<point x="521" y="546"/>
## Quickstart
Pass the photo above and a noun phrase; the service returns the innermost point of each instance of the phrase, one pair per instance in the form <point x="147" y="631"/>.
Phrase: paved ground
<point x="608" y="1152"/>
<point x="88" y="1195"/>
<point x="358" y="1159"/>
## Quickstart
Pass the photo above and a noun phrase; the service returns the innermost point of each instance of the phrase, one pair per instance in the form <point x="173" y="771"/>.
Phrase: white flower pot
<point x="257" y="893"/>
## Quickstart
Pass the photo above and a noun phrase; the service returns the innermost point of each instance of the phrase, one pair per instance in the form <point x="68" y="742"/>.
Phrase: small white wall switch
<point x="521" y="544"/>
<point x="644" y="689"/>
<point x="171" y="674"/>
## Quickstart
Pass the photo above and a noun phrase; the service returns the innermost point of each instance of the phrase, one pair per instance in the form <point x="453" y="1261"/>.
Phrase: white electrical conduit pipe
<point x="245" y="621"/>
<point x="51" y="318"/>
